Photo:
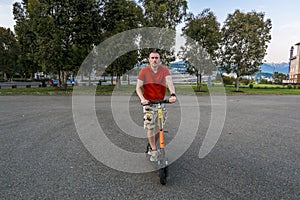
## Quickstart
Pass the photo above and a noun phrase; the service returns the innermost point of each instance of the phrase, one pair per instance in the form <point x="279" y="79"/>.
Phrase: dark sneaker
<point x="148" y="149"/>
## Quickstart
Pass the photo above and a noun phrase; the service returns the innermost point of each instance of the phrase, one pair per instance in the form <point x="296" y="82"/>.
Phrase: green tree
<point x="63" y="32"/>
<point x="279" y="77"/>
<point x="164" y="14"/>
<point x="205" y="29"/>
<point x="244" y="43"/>
<point x="56" y="35"/>
<point x="9" y="50"/>
<point x="119" y="16"/>
<point x="27" y="40"/>
<point x="88" y="30"/>
<point x="202" y="35"/>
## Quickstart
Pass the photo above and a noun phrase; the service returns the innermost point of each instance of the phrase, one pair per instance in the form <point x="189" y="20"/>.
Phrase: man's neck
<point x="154" y="68"/>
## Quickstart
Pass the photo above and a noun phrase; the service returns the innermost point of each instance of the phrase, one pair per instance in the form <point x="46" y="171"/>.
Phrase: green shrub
<point x="245" y="81"/>
<point x="251" y="86"/>
<point x="263" y="81"/>
<point x="228" y="80"/>
<point x="289" y="86"/>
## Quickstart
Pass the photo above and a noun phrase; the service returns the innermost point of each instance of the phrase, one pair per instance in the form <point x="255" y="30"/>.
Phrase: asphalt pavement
<point x="257" y="156"/>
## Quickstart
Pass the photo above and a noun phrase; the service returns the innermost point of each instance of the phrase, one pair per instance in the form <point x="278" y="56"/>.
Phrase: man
<point x="153" y="79"/>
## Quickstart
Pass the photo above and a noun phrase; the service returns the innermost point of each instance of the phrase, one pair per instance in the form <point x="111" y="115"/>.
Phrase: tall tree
<point x="64" y="31"/>
<point x="164" y="14"/>
<point x="202" y="35"/>
<point x="88" y="31"/>
<point x="9" y="50"/>
<point x="28" y="46"/>
<point x="119" y="16"/>
<point x="245" y="38"/>
<point x="26" y="38"/>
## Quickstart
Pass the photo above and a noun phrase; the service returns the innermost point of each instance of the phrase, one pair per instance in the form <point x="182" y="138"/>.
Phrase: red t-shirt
<point x="154" y="83"/>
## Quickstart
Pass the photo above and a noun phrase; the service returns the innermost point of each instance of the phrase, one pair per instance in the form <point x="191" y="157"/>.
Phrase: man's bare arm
<point x="139" y="91"/>
<point x="171" y="87"/>
<point x="170" y="84"/>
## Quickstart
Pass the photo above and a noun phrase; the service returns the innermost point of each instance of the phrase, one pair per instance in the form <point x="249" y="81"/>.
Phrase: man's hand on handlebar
<point x="172" y="98"/>
<point x="144" y="102"/>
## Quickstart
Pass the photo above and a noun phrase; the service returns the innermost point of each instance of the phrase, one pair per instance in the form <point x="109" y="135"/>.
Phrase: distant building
<point x="178" y="67"/>
<point x="294" y="69"/>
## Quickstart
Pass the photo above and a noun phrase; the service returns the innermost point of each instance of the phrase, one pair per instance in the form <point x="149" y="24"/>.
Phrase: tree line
<point x="56" y="36"/>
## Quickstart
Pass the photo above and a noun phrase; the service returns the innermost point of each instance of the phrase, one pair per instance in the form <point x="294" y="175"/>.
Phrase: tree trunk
<point x="118" y="82"/>
<point x="64" y="79"/>
<point x="209" y="81"/>
<point x="237" y="84"/>
<point x="31" y="76"/>
<point x="89" y="79"/>
<point x="197" y="81"/>
<point x="128" y="78"/>
<point x="4" y="76"/>
<point x="199" y="86"/>
<point x="59" y="78"/>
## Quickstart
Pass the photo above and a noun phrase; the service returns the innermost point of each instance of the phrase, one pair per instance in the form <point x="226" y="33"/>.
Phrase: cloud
<point x="291" y="26"/>
<point x="6" y="15"/>
<point x="6" y="2"/>
<point x="262" y="7"/>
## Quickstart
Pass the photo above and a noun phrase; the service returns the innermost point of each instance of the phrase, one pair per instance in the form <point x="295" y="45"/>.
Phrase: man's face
<point x="154" y="59"/>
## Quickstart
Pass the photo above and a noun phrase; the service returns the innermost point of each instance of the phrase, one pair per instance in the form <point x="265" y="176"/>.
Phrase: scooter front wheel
<point x="163" y="173"/>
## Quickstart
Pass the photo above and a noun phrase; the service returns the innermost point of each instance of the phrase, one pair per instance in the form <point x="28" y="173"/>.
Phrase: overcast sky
<point x="283" y="14"/>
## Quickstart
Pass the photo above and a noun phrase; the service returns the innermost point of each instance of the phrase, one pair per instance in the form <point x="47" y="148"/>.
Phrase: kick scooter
<point x="162" y="161"/>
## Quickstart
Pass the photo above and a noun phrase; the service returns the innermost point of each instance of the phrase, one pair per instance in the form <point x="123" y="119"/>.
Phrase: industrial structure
<point x="294" y="67"/>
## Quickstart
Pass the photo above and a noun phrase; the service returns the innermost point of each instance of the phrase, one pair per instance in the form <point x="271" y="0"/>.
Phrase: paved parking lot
<point x="256" y="157"/>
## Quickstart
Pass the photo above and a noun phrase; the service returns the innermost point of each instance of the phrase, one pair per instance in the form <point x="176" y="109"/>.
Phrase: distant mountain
<point x="267" y="68"/>
<point x="275" y="67"/>
<point x="261" y="75"/>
